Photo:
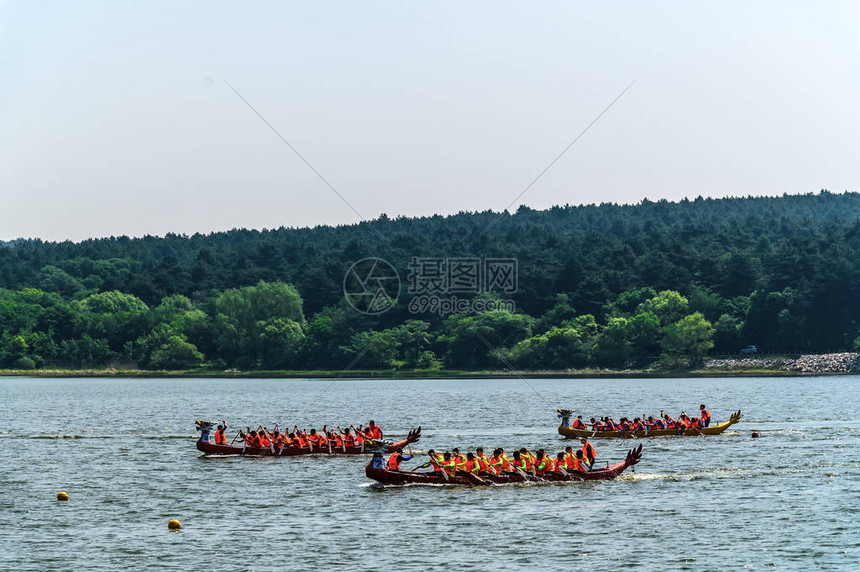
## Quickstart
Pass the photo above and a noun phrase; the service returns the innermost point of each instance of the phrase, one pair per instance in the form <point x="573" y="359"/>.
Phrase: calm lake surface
<point x="124" y="450"/>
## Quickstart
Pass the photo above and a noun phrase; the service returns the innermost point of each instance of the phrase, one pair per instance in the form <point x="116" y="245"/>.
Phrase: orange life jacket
<point x="588" y="451"/>
<point x="263" y="441"/>
<point x="349" y="439"/>
<point x="301" y="441"/>
<point x="578" y="424"/>
<point x="483" y="463"/>
<point x="471" y="466"/>
<point x="249" y="441"/>
<point x="497" y="464"/>
<point x="448" y="466"/>
<point x="220" y="439"/>
<point x="545" y="465"/>
<point x="394" y="461"/>
<point x="579" y="466"/>
<point x="705" y="415"/>
<point x="375" y="432"/>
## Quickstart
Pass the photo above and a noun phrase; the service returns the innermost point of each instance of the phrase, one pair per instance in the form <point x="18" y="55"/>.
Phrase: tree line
<point x="598" y="285"/>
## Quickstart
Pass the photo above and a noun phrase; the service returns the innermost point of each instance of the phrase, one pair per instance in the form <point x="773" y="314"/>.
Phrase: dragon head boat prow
<point x="204" y="425"/>
<point x="633" y="456"/>
<point x="414" y="435"/>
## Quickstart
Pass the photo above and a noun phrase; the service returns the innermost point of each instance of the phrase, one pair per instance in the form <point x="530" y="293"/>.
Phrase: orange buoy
<point x="174" y="525"/>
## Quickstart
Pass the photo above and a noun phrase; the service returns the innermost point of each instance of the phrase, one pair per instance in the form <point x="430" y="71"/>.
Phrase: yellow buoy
<point x="174" y="525"/>
<point x="63" y="496"/>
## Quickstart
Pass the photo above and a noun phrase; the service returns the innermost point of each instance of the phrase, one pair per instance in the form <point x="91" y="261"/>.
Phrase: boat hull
<point x="210" y="448"/>
<point x="387" y="477"/>
<point x="572" y="433"/>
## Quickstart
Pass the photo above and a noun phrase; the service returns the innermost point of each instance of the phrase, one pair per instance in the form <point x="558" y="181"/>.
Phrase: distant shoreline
<point x="416" y="374"/>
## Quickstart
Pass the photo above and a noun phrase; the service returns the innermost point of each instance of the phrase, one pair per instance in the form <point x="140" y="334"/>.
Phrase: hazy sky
<point x="114" y="119"/>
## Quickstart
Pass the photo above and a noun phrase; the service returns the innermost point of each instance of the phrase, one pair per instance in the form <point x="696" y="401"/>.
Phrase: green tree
<point x="113" y="316"/>
<point x="613" y="345"/>
<point x="727" y="334"/>
<point x="570" y="345"/>
<point x="669" y="306"/>
<point x="53" y="279"/>
<point x="175" y="353"/>
<point x="689" y="338"/>
<point x="643" y="334"/>
<point x="282" y="342"/>
<point x="472" y="340"/>
<point x="241" y="316"/>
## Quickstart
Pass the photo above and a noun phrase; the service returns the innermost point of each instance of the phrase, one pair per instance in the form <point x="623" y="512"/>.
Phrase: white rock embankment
<point x="845" y="362"/>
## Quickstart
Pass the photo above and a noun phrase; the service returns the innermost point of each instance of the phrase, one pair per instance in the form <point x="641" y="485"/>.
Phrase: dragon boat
<point x="376" y="470"/>
<point x="208" y="447"/>
<point x="567" y="431"/>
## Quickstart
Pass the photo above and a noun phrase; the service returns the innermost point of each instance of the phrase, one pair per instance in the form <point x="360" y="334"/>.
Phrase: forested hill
<point x="784" y="270"/>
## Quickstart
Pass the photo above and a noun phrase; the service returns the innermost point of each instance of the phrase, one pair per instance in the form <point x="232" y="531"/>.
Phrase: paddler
<point x="336" y="439"/>
<point x="373" y="431"/>
<point x="543" y="463"/>
<point x="578" y="423"/>
<point x="568" y="455"/>
<point x="579" y="464"/>
<point x="459" y="458"/>
<point x="588" y="451"/>
<point x="561" y="463"/>
<point x="448" y="464"/>
<point x="300" y="439"/>
<point x="348" y="437"/>
<point x="525" y="459"/>
<point x="263" y="439"/>
<point x="499" y="462"/>
<point x="470" y="465"/>
<point x="396" y="458"/>
<point x="314" y="438"/>
<point x="249" y="439"/>
<point x="483" y="460"/>
<point x="670" y="423"/>
<point x="220" y="438"/>
<point x="277" y="440"/>
<point x="706" y="416"/>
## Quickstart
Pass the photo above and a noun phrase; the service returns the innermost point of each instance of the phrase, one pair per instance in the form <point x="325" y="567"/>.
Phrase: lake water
<point x="124" y="450"/>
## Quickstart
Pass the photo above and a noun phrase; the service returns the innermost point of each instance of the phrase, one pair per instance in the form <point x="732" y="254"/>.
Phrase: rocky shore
<point x="846" y="362"/>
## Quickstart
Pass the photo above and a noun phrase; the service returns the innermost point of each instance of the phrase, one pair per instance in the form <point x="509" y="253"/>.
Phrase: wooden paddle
<point x="476" y="478"/>
<point x="236" y="437"/>
<point x="435" y="464"/>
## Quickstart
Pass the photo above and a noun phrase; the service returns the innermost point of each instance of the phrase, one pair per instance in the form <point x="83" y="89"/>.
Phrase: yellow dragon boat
<point x="567" y="431"/>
